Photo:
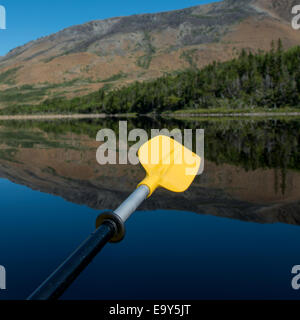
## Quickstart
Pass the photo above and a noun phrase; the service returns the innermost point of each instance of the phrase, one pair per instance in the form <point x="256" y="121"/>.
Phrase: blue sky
<point x="31" y="19"/>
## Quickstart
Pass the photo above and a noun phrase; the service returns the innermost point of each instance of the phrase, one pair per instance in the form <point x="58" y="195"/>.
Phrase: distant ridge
<point x="114" y="52"/>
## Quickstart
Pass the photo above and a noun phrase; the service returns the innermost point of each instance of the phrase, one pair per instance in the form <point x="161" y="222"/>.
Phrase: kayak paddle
<point x="169" y="165"/>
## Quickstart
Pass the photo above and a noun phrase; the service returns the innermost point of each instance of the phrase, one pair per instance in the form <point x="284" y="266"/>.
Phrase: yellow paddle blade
<point x="168" y="164"/>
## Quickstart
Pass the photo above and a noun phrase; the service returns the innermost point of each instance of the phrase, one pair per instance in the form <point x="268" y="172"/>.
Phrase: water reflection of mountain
<point x="250" y="143"/>
<point x="253" y="176"/>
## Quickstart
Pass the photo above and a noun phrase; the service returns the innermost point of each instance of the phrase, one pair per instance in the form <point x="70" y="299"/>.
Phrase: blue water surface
<point x="165" y="255"/>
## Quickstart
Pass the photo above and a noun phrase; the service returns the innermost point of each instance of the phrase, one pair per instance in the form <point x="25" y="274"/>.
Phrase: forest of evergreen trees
<point x="262" y="80"/>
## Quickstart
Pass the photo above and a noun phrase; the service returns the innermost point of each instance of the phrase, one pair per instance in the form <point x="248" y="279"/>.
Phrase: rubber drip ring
<point x="110" y="216"/>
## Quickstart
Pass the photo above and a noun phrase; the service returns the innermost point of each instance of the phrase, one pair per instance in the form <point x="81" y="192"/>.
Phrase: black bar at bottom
<point x="159" y="309"/>
<point x="63" y="277"/>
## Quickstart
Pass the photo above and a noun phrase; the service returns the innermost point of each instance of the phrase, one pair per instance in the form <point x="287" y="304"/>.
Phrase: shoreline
<point x="246" y="114"/>
<point x="170" y="115"/>
<point x="53" y="117"/>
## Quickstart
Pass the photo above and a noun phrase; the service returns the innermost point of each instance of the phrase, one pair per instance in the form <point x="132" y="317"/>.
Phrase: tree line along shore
<point x="259" y="82"/>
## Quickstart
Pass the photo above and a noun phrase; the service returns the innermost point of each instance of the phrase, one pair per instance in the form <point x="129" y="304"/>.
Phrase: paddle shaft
<point x="63" y="277"/>
<point x="126" y="209"/>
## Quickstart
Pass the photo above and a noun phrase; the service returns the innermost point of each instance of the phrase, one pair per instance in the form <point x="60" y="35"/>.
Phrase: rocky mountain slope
<point x="117" y="51"/>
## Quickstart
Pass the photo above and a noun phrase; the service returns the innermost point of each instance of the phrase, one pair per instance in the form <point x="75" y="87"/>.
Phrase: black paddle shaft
<point x="63" y="277"/>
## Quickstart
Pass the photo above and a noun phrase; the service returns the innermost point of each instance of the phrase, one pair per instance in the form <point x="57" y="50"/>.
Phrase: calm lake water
<point x="234" y="234"/>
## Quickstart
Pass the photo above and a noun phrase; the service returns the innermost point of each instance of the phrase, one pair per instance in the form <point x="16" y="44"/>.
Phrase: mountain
<point x="114" y="52"/>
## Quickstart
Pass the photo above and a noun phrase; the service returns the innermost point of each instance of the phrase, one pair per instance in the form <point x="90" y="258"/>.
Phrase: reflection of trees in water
<point x="248" y="143"/>
<point x="280" y="180"/>
<point x="251" y="144"/>
<point x="254" y="144"/>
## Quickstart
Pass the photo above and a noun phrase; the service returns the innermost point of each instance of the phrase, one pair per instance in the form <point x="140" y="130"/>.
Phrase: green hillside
<point x="263" y="80"/>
